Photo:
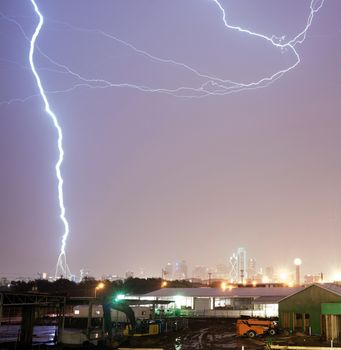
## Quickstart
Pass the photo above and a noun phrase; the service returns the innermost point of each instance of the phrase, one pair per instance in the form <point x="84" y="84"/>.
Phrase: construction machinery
<point x="253" y="327"/>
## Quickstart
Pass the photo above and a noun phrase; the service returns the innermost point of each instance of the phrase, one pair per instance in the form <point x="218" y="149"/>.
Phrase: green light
<point x="119" y="297"/>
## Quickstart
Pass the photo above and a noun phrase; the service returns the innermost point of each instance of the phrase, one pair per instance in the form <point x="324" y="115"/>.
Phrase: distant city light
<point x="337" y="277"/>
<point x="223" y="286"/>
<point x="283" y="276"/>
<point x="265" y="279"/>
<point x="291" y="284"/>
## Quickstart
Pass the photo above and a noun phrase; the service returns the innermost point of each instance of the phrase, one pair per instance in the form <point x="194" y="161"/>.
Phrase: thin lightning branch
<point x="62" y="256"/>
<point x="275" y="41"/>
<point x="221" y="86"/>
<point x="212" y="85"/>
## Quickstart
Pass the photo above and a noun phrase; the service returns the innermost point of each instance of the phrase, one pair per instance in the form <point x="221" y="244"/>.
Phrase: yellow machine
<point x="142" y="331"/>
<point x="253" y="327"/>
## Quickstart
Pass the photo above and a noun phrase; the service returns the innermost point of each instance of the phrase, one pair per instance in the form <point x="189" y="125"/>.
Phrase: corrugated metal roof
<point x="273" y="299"/>
<point x="251" y="292"/>
<point x="331" y="287"/>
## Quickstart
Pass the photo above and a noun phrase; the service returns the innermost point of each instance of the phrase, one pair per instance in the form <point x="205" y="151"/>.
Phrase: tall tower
<point x="251" y="268"/>
<point x="241" y="256"/>
<point x="298" y="263"/>
<point x="181" y="270"/>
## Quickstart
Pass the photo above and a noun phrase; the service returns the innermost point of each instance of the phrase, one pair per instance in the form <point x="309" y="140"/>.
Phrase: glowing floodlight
<point x="298" y="262"/>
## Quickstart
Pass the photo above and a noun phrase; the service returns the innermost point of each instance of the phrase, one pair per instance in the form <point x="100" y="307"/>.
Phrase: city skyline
<point x="180" y="270"/>
<point x="151" y="177"/>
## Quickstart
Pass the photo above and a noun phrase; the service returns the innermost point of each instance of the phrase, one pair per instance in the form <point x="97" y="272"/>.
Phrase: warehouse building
<point x="315" y="310"/>
<point x="217" y="302"/>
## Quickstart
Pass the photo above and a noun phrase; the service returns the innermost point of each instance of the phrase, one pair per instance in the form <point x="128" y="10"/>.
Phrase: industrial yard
<point x="179" y="318"/>
<point x="200" y="334"/>
<point x="221" y="334"/>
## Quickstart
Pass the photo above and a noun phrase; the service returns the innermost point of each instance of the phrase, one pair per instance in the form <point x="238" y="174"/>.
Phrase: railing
<point x="219" y="313"/>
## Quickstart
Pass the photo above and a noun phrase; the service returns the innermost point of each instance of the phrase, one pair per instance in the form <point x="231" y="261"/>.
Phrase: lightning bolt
<point x="61" y="264"/>
<point x="208" y="85"/>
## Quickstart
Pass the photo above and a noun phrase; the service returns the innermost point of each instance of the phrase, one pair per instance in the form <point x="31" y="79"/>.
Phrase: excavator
<point x="134" y="328"/>
<point x="93" y="324"/>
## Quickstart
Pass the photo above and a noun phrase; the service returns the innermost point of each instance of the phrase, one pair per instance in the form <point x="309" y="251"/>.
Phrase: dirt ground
<point x="201" y="334"/>
<point x="213" y="334"/>
<point x="220" y="334"/>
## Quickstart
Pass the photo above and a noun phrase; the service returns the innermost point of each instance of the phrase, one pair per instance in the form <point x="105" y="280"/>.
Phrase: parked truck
<point x="253" y="327"/>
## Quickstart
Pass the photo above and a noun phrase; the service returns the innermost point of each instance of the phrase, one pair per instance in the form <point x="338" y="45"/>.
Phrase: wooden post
<point x="27" y="324"/>
<point x="61" y="322"/>
<point x="89" y="320"/>
<point x="1" y="302"/>
<point x="303" y="324"/>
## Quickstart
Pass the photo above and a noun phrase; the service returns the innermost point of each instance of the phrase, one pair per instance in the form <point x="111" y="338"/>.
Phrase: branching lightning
<point x="61" y="264"/>
<point x="207" y="85"/>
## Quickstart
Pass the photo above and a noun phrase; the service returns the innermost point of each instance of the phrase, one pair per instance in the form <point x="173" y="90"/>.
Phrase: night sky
<point x="150" y="178"/>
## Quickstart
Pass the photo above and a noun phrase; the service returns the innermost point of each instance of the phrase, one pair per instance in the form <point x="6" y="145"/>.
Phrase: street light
<point x="164" y="284"/>
<point x="99" y="286"/>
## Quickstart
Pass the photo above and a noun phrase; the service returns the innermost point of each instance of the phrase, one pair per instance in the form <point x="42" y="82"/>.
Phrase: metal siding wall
<point x="331" y="309"/>
<point x="308" y="301"/>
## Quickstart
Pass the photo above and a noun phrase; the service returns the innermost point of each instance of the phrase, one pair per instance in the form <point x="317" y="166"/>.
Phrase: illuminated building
<point x="222" y="302"/>
<point x="221" y="271"/>
<point x="241" y="256"/>
<point x="251" y="269"/>
<point x="270" y="273"/>
<point x="167" y="272"/>
<point x="181" y="270"/>
<point x="310" y="279"/>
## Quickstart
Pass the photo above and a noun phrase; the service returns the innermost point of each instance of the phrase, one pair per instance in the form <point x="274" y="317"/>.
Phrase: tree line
<point x="87" y="287"/>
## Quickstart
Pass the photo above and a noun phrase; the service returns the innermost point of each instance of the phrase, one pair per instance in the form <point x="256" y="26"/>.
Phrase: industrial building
<point x="315" y="310"/>
<point x="221" y="302"/>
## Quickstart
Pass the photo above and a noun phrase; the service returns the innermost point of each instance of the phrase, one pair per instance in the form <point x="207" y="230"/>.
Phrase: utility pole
<point x="209" y="278"/>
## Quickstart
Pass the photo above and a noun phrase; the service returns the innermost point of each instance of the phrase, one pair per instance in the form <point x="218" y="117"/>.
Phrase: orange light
<point x="100" y="285"/>
<point x="164" y="284"/>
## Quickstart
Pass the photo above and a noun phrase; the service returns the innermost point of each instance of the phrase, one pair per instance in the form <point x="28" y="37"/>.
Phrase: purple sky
<point x="152" y="178"/>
